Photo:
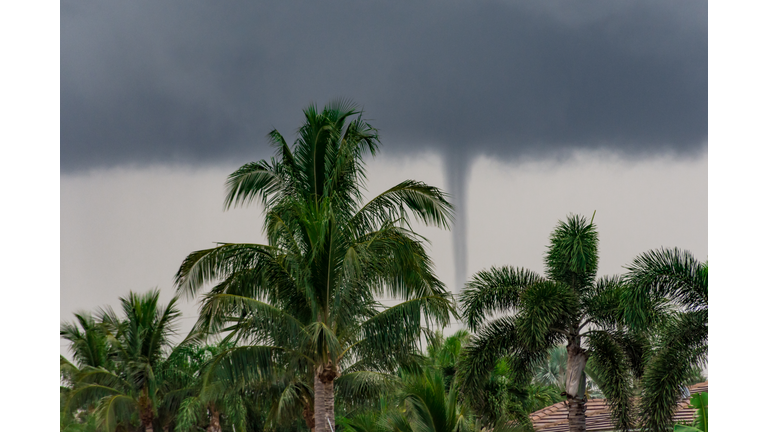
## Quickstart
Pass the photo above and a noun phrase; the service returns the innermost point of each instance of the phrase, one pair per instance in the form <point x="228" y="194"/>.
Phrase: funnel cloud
<point x="200" y="83"/>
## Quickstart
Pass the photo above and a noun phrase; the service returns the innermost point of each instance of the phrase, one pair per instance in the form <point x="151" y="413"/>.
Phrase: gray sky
<point x="201" y="81"/>
<point x="129" y="228"/>
<point x="524" y="111"/>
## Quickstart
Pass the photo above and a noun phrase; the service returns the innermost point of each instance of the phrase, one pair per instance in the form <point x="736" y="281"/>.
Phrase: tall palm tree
<point x="569" y="306"/>
<point x="139" y="343"/>
<point x="307" y="299"/>
<point x="660" y="280"/>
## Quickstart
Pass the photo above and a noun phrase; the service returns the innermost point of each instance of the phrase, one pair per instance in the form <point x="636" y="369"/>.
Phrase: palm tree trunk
<point x="574" y="390"/>
<point x="148" y="427"/>
<point x="146" y="413"/>
<point x="324" y="413"/>
<point x="309" y="417"/>
<point x="577" y="421"/>
<point x="214" y="424"/>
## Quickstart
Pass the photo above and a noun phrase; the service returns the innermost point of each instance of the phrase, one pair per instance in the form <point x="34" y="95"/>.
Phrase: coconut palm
<point x="219" y="387"/>
<point x="90" y="350"/>
<point x="307" y="299"/>
<point x="139" y="343"/>
<point x="88" y="343"/>
<point x="659" y="280"/>
<point x="569" y="306"/>
<point x="191" y="399"/>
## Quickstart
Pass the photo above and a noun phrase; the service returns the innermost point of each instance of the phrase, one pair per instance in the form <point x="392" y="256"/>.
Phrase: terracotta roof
<point x="554" y="418"/>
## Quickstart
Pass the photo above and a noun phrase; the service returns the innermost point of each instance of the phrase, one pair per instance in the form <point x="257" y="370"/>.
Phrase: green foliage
<point x="572" y="256"/>
<point x="701" y="422"/>
<point x="552" y="374"/>
<point x="307" y="298"/>
<point x="427" y="406"/>
<point x="699" y="401"/>
<point x="304" y="307"/>
<point x="133" y="348"/>
<point x="443" y="353"/>
<point x="88" y="341"/>
<point x="659" y="281"/>
<point x="571" y="305"/>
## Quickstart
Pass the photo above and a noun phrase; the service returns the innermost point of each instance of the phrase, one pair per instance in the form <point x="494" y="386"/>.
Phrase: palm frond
<point x="494" y="340"/>
<point x="572" y="254"/>
<point x="114" y="409"/>
<point x="85" y="395"/>
<point x="393" y="334"/>
<point x="546" y="307"/>
<point x="602" y="302"/>
<point x="365" y="385"/>
<point x="208" y="265"/>
<point x="191" y="412"/>
<point x="683" y="345"/>
<point x="492" y="291"/>
<point x="255" y="180"/>
<point x="239" y="366"/>
<point x="261" y="322"/>
<point x="613" y="369"/>
<point x="664" y="274"/>
<point x="427" y="203"/>
<point x="289" y="402"/>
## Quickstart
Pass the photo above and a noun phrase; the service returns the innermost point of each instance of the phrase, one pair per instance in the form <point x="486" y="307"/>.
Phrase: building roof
<point x="554" y="418"/>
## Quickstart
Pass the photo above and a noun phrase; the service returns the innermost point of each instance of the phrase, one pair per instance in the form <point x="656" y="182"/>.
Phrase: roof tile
<point x="554" y="418"/>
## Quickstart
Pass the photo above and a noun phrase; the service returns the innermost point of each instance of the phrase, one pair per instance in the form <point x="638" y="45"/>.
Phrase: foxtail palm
<point x="553" y="373"/>
<point x="308" y="297"/>
<point x="659" y="280"/>
<point x="569" y="306"/>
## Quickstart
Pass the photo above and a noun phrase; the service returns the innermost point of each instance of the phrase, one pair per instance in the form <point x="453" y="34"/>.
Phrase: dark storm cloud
<point x="204" y="82"/>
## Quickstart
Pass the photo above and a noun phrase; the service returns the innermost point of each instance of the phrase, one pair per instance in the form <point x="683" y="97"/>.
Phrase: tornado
<point x="457" y="165"/>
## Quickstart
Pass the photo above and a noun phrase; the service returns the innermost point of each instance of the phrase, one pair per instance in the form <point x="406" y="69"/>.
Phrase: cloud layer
<point x="200" y="82"/>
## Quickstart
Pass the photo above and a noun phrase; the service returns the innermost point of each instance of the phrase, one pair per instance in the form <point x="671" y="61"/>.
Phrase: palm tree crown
<point x="308" y="296"/>
<point x="659" y="281"/>
<point x="570" y="306"/>
<point x="138" y="343"/>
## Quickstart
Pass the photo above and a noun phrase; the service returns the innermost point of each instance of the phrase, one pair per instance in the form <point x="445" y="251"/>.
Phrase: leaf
<point x="683" y="428"/>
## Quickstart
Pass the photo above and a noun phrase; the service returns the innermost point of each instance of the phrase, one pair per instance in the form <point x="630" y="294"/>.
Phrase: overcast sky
<point x="524" y="111"/>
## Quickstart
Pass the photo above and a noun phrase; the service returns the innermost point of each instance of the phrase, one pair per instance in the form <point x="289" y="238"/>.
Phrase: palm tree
<point x="443" y="352"/>
<point x="553" y="373"/>
<point x="426" y="406"/>
<point x="88" y="343"/>
<point x="307" y="298"/>
<point x="90" y="350"/>
<point x="139" y="343"/>
<point x="89" y="347"/>
<point x="192" y="398"/>
<point x="570" y="306"/>
<point x="660" y="280"/>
